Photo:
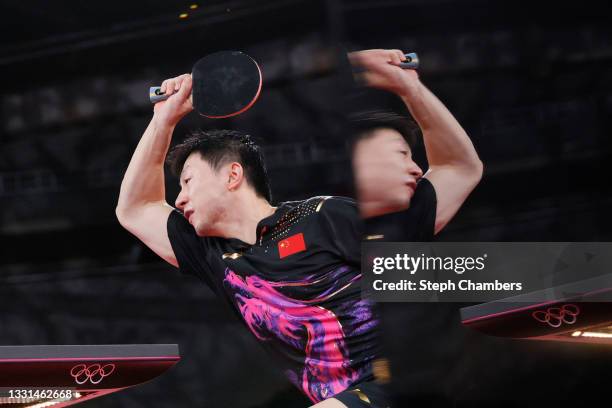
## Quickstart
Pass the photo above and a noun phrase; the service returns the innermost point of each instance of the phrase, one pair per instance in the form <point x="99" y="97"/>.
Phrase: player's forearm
<point x="143" y="182"/>
<point x="446" y="142"/>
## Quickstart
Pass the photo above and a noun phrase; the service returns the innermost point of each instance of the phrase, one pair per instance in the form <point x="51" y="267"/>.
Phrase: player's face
<point x="204" y="194"/>
<point x="409" y="170"/>
<point x="413" y="171"/>
<point x="385" y="174"/>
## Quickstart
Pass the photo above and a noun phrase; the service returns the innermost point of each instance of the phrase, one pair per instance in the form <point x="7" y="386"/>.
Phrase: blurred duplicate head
<point x="385" y="173"/>
<point x="365" y="123"/>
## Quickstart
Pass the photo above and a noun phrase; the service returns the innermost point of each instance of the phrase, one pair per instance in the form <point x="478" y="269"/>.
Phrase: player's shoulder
<point x="333" y="205"/>
<point x="338" y="203"/>
<point x="321" y="205"/>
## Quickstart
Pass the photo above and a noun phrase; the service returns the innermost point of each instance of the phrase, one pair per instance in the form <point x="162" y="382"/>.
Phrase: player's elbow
<point x="127" y="210"/>
<point x="471" y="175"/>
<point x="477" y="171"/>
<point x="124" y="214"/>
<point x="121" y="214"/>
<point x="471" y="172"/>
<point x="471" y="167"/>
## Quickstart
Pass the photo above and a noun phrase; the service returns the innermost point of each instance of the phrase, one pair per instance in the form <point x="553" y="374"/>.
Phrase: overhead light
<point x="183" y="15"/>
<point x="193" y="6"/>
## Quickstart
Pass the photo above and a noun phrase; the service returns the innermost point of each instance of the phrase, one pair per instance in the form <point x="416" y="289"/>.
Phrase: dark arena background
<point x="531" y="82"/>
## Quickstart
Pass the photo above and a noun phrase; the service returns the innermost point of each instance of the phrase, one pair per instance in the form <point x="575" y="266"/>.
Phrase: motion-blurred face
<point x="385" y="174"/>
<point x="204" y="195"/>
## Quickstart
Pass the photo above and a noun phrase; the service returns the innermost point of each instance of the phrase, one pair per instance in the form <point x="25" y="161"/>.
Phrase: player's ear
<point x="235" y="176"/>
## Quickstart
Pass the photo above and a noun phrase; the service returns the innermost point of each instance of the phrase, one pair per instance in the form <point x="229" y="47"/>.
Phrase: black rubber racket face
<point x="225" y="84"/>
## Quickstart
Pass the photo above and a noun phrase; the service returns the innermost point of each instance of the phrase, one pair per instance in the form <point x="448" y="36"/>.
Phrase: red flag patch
<point x="291" y="245"/>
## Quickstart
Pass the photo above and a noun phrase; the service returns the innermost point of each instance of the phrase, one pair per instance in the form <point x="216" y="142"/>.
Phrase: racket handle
<point x="412" y="61"/>
<point x="156" y="95"/>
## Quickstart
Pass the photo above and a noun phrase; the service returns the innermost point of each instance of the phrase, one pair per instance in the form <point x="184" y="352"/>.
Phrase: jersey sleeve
<point x="415" y="224"/>
<point x="190" y="250"/>
<point x="343" y="227"/>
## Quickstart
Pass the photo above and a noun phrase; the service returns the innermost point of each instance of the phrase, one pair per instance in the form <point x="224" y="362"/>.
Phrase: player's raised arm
<point x="454" y="166"/>
<point x="142" y="208"/>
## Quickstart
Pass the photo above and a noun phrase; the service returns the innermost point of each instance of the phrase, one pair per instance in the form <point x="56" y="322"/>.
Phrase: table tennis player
<point x="291" y="271"/>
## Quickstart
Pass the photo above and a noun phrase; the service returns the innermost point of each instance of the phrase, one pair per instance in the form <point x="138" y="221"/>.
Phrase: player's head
<point x="216" y="168"/>
<point x="374" y="125"/>
<point x="368" y="122"/>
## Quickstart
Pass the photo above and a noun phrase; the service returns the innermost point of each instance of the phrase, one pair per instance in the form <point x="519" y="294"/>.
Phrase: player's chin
<point x="200" y="230"/>
<point x="398" y="200"/>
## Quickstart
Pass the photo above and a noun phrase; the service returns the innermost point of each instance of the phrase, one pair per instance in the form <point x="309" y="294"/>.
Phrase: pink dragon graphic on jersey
<point x="300" y="324"/>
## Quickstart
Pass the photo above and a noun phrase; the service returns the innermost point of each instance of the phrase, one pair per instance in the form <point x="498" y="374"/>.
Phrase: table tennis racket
<point x="225" y="83"/>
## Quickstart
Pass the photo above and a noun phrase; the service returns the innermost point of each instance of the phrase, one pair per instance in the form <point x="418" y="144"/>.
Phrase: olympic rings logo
<point x="556" y="316"/>
<point x="94" y="373"/>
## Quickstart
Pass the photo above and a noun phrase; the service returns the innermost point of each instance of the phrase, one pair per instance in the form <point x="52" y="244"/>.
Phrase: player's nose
<point x="181" y="201"/>
<point x="415" y="171"/>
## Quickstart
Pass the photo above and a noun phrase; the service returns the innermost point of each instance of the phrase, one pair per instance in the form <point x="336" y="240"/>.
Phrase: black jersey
<point x="298" y="289"/>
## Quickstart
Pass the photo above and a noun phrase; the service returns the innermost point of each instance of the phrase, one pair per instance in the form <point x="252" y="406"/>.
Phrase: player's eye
<point x="187" y="180"/>
<point x="404" y="152"/>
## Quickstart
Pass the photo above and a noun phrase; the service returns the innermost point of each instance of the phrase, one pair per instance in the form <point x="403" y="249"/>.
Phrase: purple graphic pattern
<point x="304" y="326"/>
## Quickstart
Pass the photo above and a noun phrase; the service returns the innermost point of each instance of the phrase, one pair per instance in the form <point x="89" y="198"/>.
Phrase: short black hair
<point x="363" y="122"/>
<point x="220" y="146"/>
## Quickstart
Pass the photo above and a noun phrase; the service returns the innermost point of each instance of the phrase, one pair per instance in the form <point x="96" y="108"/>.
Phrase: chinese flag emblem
<point x="291" y="245"/>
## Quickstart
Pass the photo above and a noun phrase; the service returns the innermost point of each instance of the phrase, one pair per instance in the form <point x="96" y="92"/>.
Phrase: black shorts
<point x="364" y="395"/>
